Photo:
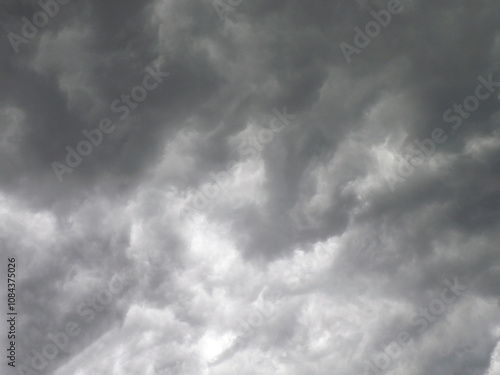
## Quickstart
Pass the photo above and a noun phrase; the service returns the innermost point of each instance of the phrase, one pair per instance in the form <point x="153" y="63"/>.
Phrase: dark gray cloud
<point x="197" y="274"/>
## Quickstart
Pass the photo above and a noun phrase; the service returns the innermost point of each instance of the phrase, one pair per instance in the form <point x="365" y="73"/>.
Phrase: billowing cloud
<point x="243" y="192"/>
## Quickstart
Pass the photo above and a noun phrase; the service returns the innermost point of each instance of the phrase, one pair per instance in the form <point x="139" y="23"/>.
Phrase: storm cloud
<point x="273" y="201"/>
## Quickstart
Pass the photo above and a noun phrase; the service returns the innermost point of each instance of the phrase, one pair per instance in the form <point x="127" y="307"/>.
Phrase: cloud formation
<point x="325" y="184"/>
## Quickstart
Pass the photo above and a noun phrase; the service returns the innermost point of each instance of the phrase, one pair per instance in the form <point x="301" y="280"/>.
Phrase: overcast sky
<point x="300" y="187"/>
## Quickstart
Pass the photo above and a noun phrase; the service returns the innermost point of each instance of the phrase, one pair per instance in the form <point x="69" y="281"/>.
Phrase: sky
<point x="300" y="187"/>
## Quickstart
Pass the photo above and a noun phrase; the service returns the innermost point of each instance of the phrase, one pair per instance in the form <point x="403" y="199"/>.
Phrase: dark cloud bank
<point x="299" y="187"/>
